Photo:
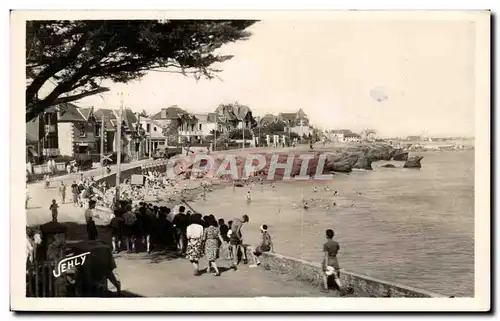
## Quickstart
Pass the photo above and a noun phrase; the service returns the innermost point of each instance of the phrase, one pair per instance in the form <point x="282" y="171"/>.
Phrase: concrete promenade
<point x="38" y="206"/>
<point x="163" y="276"/>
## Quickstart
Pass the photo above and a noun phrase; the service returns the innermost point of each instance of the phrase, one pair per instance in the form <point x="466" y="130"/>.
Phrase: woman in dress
<point x="211" y="239"/>
<point x="194" y="234"/>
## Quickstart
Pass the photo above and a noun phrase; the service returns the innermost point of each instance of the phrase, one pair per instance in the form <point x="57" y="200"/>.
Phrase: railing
<point x="190" y="132"/>
<point x="45" y="168"/>
<point x="39" y="280"/>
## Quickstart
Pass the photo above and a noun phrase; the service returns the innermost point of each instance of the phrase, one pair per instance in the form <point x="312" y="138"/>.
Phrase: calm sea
<point x="410" y="226"/>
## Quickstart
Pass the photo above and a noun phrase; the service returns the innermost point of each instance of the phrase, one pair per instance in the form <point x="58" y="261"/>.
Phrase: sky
<point x="397" y="77"/>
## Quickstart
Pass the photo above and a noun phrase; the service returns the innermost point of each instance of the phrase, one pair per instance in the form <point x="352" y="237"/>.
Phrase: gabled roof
<point x="172" y="112"/>
<point x="68" y="112"/>
<point x="288" y="116"/>
<point x="129" y="117"/>
<point x="233" y="112"/>
<point x="86" y="112"/>
<point x="208" y="117"/>
<point x="301" y="114"/>
<point x="33" y="130"/>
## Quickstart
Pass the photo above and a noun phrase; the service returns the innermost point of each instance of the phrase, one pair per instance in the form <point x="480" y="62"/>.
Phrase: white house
<point x="207" y="123"/>
<point x="153" y="133"/>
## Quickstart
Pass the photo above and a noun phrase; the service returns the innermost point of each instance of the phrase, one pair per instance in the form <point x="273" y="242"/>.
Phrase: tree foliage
<point x="75" y="56"/>
<point x="238" y="134"/>
<point x="273" y="128"/>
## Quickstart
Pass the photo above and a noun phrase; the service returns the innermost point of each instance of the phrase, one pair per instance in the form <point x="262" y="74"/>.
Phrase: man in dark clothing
<point x="181" y="222"/>
<point x="75" y="192"/>
<point x="236" y="240"/>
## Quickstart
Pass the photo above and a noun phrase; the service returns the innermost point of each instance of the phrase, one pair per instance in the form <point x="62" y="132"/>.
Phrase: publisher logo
<point x="69" y="263"/>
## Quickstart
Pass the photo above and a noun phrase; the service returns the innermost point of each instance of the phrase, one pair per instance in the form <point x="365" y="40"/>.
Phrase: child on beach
<point x="266" y="245"/>
<point x="330" y="263"/>
<point x="53" y="208"/>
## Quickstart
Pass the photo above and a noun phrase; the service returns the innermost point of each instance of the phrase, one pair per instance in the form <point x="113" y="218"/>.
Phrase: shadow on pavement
<point x="77" y="232"/>
<point x="222" y="269"/>
<point x="123" y="294"/>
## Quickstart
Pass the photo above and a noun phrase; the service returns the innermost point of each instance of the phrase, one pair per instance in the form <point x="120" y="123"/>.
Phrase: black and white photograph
<point x="246" y="157"/>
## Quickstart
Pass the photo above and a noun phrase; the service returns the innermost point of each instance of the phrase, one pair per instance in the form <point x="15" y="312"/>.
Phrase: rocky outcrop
<point x="363" y="162"/>
<point x="341" y="160"/>
<point x="413" y="162"/>
<point x="400" y="156"/>
<point x="342" y="163"/>
<point x="388" y="166"/>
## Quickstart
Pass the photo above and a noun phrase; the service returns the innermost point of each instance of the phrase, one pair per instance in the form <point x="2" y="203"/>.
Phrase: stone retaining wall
<point x="363" y="285"/>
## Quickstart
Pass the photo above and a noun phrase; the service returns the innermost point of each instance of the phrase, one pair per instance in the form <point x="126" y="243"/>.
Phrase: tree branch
<point x="51" y="70"/>
<point x="68" y="99"/>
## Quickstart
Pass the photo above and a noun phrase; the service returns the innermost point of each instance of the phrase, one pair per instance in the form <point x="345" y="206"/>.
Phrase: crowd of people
<point x="191" y="234"/>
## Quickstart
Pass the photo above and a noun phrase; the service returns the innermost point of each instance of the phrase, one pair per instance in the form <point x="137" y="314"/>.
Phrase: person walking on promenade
<point x="89" y="219"/>
<point x="116" y="226"/>
<point x="266" y="245"/>
<point x="223" y="229"/>
<point x="236" y="240"/>
<point x="53" y="208"/>
<point x="330" y="263"/>
<point x="47" y="180"/>
<point x="229" y="246"/>
<point x="194" y="235"/>
<point x="181" y="223"/>
<point x="129" y="227"/>
<point x="27" y="198"/>
<point x="62" y="192"/>
<point x="74" y="192"/>
<point x="211" y="239"/>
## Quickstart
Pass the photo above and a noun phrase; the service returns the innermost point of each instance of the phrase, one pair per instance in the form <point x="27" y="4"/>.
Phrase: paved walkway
<point x="157" y="276"/>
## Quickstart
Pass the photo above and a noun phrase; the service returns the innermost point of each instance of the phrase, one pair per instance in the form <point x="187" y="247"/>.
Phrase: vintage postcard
<point x="250" y="161"/>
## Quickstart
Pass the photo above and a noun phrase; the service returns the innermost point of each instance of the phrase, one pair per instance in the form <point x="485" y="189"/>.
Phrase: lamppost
<point x="258" y="124"/>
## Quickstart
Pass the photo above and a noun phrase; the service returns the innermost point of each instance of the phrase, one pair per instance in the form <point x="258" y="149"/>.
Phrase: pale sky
<point x="330" y="69"/>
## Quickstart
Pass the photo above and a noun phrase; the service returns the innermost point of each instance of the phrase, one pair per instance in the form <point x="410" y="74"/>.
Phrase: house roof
<point x="233" y="112"/>
<point x="172" y="112"/>
<point x="341" y="131"/>
<point x="70" y="113"/>
<point x="352" y="135"/>
<point x="86" y="112"/>
<point x="301" y="114"/>
<point x="208" y="117"/>
<point x="128" y="117"/>
<point x="33" y="131"/>
<point x="288" y="116"/>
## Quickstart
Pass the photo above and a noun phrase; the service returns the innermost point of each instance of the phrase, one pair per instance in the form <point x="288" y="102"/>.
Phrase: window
<point x="148" y="128"/>
<point x="49" y="129"/>
<point x="154" y="128"/>
<point x="97" y="129"/>
<point x="82" y="128"/>
<point x="200" y="127"/>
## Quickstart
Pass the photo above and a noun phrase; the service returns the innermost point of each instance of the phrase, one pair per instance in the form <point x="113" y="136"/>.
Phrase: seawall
<point x="362" y="285"/>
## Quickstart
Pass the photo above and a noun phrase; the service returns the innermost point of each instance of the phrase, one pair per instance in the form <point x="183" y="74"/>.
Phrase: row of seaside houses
<point x="67" y="130"/>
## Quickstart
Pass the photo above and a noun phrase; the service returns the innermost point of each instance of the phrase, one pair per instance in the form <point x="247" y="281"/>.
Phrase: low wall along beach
<point x="362" y="285"/>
